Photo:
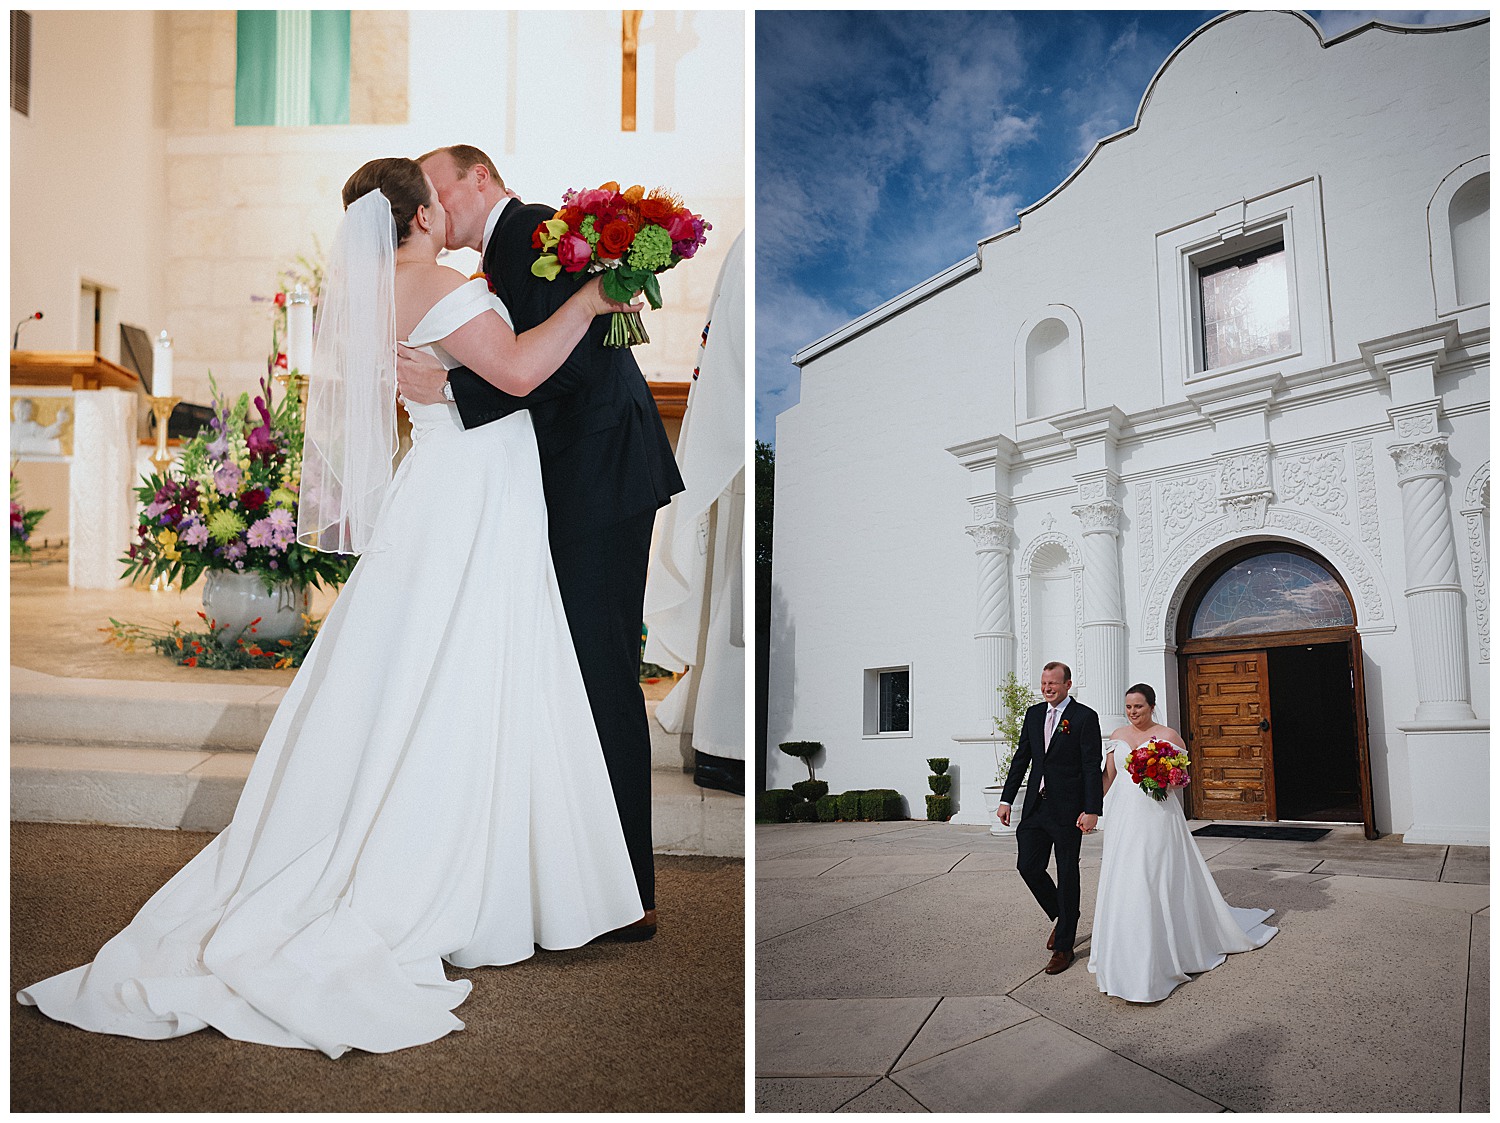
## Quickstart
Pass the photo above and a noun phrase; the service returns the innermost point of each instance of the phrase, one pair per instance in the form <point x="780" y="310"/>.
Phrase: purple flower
<point x="234" y="551"/>
<point x="218" y="448"/>
<point x="260" y="533"/>
<point x="227" y="479"/>
<point x="194" y="533"/>
<point x="154" y="509"/>
<point x="283" y="528"/>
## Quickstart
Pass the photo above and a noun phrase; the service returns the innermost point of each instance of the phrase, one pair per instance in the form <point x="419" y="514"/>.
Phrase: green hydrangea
<point x="586" y="228"/>
<point x="651" y="250"/>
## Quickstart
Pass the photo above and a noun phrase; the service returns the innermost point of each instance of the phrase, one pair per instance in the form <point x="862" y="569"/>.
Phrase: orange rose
<point x="659" y="211"/>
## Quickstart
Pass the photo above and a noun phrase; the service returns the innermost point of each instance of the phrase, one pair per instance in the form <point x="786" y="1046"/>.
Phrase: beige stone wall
<point x="377" y="68"/>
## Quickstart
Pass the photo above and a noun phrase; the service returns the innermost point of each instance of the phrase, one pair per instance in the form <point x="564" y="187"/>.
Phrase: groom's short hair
<point x="1063" y="667"/>
<point x="465" y="156"/>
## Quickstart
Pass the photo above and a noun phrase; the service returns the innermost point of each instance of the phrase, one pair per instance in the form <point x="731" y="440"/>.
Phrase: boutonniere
<point x="482" y="275"/>
<point x="1064" y="726"/>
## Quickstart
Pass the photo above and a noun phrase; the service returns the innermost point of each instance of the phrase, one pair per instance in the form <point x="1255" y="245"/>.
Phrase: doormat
<point x="1275" y="834"/>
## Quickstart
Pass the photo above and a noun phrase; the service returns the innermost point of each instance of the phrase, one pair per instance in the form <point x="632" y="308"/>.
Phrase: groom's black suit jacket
<point x="1071" y="766"/>
<point x="605" y="455"/>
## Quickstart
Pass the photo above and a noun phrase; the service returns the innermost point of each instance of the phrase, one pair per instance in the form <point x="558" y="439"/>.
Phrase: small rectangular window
<point x="895" y="701"/>
<point x="1245" y="307"/>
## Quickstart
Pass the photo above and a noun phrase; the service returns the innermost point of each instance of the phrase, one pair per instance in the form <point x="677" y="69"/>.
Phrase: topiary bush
<point x="804" y="750"/>
<point x="938" y="784"/>
<point x="774" y="805"/>
<point x="939" y="808"/>
<point x="804" y="813"/>
<point x="827" y="808"/>
<point x="938" y="764"/>
<point x="881" y="805"/>
<point x="849" y="806"/>
<point x="811" y="790"/>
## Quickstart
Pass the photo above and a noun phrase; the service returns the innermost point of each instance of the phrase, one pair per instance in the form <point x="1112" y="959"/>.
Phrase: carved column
<point x="1103" y="600"/>
<point x="1434" y="596"/>
<point x="994" y="633"/>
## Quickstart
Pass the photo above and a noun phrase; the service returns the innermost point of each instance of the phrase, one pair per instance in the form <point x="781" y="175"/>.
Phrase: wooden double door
<point x="1277" y="714"/>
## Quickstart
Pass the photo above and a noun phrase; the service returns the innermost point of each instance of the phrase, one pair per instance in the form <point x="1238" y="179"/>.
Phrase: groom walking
<point x="606" y="468"/>
<point x="1061" y="744"/>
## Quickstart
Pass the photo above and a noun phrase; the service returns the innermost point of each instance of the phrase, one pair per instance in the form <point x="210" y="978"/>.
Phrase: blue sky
<point x="888" y="143"/>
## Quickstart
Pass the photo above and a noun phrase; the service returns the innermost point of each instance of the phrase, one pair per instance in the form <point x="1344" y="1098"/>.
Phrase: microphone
<point x="16" y="338"/>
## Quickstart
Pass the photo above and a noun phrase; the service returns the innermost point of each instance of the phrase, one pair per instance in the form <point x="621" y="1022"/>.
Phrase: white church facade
<point x="1214" y="416"/>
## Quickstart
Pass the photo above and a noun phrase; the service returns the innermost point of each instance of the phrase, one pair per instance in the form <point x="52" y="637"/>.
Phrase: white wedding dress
<point x="1158" y="917"/>
<point x="431" y="788"/>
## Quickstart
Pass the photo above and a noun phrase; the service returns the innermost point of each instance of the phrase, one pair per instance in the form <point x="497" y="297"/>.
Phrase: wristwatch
<point x="448" y="391"/>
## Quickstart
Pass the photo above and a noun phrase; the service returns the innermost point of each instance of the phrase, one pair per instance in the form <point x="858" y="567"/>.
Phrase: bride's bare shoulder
<point x="420" y="285"/>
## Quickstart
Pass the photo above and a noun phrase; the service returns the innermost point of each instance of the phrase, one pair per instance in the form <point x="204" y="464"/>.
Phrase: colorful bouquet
<point x="22" y="521"/>
<point x="1157" y="766"/>
<point x="230" y="502"/>
<point x="629" y="236"/>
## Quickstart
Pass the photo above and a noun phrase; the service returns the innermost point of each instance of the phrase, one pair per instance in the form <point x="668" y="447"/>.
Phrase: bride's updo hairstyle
<point x="1145" y="692"/>
<point x="400" y="180"/>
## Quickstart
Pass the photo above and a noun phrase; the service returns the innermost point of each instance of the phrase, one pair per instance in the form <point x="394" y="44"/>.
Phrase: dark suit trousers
<point x="602" y="578"/>
<point x="1052" y="826"/>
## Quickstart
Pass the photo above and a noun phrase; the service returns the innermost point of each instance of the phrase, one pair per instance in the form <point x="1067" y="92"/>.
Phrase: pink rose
<point x="1177" y="778"/>
<point x="680" y="227"/>
<point x="593" y="202"/>
<point x="573" y="252"/>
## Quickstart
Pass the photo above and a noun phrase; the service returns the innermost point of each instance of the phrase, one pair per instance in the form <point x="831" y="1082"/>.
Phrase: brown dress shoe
<point x="1051" y="937"/>
<point x="642" y="929"/>
<point x="1060" y="962"/>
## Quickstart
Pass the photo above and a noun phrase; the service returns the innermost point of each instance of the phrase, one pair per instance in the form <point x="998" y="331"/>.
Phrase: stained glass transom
<point x="1246" y="308"/>
<point x="1275" y="592"/>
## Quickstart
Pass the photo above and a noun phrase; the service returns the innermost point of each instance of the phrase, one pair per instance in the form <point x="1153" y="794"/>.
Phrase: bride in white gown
<point x="1158" y="917"/>
<point x="432" y="786"/>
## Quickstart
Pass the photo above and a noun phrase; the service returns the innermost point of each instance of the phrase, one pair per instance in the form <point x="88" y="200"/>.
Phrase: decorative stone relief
<point x="1100" y="517"/>
<point x="1186" y="502"/>
<point x="1414" y="425"/>
<point x="1315" y="480"/>
<point x="992" y="535"/>
<point x="1423" y="458"/>
<point x="1245" y="487"/>
<point x="1476" y="507"/>
<point x="985" y="512"/>
<point x="1186" y="559"/>
<point x="1145" y="533"/>
<point x="1369" y="504"/>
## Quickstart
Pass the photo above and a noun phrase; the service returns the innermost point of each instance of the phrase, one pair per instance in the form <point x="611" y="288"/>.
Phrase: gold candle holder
<point x="298" y="380"/>
<point x="161" y="409"/>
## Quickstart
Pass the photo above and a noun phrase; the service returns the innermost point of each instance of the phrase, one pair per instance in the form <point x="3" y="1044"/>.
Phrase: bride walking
<point x="432" y="786"/>
<point x="1158" y="916"/>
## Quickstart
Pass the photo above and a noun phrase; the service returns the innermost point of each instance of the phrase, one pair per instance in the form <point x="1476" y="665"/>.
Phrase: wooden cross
<point x="630" y="43"/>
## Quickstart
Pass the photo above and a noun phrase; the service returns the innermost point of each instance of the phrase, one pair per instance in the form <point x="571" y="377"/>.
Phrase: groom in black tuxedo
<point x="606" y="468"/>
<point x="1060" y="742"/>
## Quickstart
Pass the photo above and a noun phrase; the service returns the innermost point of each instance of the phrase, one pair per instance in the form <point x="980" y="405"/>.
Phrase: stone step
<point x="179" y="789"/>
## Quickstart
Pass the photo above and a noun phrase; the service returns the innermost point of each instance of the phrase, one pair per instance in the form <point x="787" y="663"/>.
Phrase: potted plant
<point x="1015" y="699"/>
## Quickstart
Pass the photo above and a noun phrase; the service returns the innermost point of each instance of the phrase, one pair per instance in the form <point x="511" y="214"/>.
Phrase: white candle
<point x="299" y="331"/>
<point x="161" y="366"/>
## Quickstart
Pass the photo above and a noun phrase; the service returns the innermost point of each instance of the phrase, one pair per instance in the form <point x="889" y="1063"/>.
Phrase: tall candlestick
<point x="161" y="366"/>
<point x="299" y="331"/>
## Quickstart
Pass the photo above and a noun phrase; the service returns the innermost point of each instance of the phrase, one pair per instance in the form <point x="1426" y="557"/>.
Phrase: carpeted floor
<point x="655" y="1026"/>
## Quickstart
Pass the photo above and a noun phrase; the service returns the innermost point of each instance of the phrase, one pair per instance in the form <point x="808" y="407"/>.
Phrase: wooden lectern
<point x="81" y="370"/>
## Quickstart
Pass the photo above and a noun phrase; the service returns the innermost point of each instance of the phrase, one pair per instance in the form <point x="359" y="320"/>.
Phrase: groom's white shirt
<point x="490" y="224"/>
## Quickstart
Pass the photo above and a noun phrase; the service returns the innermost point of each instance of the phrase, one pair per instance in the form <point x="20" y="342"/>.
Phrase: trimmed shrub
<point x="827" y="808"/>
<point x="939" y="808"/>
<point x="804" y="813"/>
<point x="849" y="806"/>
<point x="938" y="784"/>
<point x="811" y="790"/>
<point x="880" y="805"/>
<point x="805" y="750"/>
<point x="938" y="764"/>
<point x="774" y="806"/>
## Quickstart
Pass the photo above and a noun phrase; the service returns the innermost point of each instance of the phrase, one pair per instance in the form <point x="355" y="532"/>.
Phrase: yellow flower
<point x="167" y="540"/>
<point x="546" y="267"/>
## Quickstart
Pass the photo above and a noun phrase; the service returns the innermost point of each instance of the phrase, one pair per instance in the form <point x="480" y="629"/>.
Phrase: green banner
<point x="291" y="68"/>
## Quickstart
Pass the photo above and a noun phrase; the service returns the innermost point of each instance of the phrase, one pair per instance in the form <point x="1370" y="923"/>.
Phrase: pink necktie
<point x="1047" y="741"/>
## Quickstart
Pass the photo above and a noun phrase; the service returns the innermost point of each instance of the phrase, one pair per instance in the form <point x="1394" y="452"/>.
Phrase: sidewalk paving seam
<point x="860" y="905"/>
<point x="1463" y="1046"/>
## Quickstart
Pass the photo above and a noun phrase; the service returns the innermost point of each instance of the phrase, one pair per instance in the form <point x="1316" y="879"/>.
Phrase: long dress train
<point x="1159" y="917"/>
<point x="431" y="787"/>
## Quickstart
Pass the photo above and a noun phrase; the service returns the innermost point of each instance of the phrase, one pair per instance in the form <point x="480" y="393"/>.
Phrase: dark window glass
<point x="895" y="701"/>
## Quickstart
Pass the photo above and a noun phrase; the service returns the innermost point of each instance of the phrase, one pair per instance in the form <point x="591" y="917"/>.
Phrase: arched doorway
<point x="1273" y="691"/>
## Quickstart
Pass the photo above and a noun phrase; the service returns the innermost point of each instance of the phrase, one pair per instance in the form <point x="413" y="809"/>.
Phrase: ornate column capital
<point x="991" y="536"/>
<point x="1420" y="459"/>
<point x="1099" y="517"/>
<point x="1244" y="485"/>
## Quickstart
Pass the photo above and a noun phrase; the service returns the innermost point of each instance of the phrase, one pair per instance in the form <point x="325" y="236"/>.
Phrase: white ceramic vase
<point x="233" y="600"/>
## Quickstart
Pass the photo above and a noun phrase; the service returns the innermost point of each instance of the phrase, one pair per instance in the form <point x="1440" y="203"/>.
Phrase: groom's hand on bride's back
<point x="419" y="376"/>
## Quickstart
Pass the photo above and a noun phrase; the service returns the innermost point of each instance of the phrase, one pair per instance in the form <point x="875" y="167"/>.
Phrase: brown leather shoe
<point x="642" y="929"/>
<point x="1051" y="937"/>
<point x="1060" y="962"/>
